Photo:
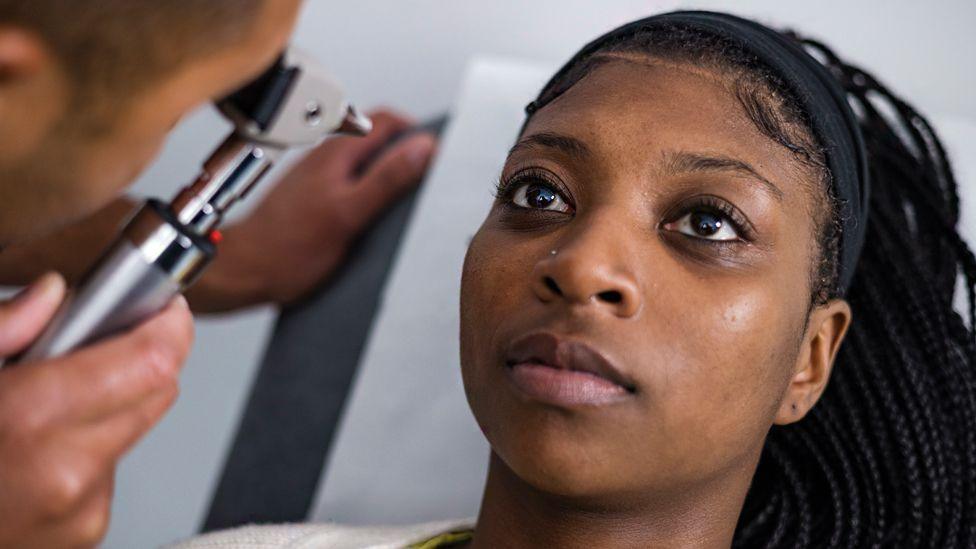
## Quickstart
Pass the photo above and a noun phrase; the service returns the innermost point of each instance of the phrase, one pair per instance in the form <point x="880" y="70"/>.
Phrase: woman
<point x="699" y="226"/>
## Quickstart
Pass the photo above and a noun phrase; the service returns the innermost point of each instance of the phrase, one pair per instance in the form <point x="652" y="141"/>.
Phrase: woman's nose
<point x="586" y="273"/>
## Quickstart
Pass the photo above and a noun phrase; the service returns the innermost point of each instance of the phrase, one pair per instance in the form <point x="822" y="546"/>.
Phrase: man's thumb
<point x="25" y="315"/>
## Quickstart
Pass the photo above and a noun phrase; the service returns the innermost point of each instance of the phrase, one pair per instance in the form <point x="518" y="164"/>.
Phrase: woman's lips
<point x="564" y="387"/>
<point x="564" y="373"/>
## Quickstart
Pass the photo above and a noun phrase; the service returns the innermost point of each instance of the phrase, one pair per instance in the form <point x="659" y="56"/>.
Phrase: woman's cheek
<point x="728" y="363"/>
<point x="489" y="282"/>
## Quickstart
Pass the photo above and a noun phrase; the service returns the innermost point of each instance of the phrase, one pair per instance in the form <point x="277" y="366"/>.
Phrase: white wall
<point x="410" y="54"/>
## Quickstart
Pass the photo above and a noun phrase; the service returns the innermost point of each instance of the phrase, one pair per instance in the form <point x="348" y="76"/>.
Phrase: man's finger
<point x="119" y="372"/>
<point x="23" y="317"/>
<point x="344" y="155"/>
<point x="87" y="523"/>
<point x="396" y="171"/>
<point x="113" y="435"/>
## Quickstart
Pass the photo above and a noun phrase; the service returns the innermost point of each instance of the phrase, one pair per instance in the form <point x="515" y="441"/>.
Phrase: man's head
<point x="89" y="90"/>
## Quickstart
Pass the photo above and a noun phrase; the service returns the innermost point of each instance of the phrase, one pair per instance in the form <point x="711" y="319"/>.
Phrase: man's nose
<point x="594" y="266"/>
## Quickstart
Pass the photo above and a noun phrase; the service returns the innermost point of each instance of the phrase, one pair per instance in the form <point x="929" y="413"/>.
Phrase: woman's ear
<point x="825" y="331"/>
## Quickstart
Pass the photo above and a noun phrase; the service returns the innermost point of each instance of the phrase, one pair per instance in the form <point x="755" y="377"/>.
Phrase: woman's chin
<point x="559" y="467"/>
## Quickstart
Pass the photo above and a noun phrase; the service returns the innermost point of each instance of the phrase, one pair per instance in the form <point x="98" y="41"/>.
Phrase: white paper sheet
<point x="408" y="449"/>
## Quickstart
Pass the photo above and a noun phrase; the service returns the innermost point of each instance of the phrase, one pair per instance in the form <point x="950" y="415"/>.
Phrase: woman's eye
<point x="539" y="196"/>
<point x="706" y="225"/>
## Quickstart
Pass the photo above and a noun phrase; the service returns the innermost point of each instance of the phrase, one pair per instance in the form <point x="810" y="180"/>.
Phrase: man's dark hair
<point x="121" y="45"/>
<point x="887" y="458"/>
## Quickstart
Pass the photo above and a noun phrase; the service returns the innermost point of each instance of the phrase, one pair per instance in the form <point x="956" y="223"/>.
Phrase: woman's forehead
<point x="630" y="113"/>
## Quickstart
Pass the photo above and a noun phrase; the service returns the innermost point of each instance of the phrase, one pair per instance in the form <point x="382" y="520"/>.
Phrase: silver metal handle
<point x="150" y="262"/>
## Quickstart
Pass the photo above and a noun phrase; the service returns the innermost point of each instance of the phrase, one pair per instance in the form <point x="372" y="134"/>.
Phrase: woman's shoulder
<point x="323" y="535"/>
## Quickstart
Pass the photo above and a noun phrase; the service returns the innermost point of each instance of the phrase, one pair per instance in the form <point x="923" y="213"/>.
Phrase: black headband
<point x="820" y="95"/>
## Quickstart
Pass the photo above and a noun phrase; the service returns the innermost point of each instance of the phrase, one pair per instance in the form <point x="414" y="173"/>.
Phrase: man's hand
<point x="65" y="422"/>
<point x="302" y="230"/>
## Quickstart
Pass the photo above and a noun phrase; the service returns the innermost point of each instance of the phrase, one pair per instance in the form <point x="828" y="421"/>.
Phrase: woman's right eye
<point x="537" y="195"/>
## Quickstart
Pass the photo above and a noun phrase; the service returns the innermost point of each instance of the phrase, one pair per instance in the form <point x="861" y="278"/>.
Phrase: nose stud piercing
<point x="553" y="251"/>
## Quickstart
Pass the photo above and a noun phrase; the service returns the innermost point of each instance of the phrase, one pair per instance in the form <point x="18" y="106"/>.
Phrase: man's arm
<point x="293" y="240"/>
<point x="68" y="251"/>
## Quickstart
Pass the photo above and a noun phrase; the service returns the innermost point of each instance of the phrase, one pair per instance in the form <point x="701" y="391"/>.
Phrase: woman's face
<point x="634" y="305"/>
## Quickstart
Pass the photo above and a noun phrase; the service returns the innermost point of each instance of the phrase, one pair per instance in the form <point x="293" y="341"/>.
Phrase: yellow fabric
<point x="444" y="540"/>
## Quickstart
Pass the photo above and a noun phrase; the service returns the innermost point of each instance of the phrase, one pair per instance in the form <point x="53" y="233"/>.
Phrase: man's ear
<point x="825" y="331"/>
<point x="22" y="55"/>
<point x="34" y="90"/>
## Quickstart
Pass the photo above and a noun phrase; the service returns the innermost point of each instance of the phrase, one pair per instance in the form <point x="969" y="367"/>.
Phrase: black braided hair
<point x="887" y="458"/>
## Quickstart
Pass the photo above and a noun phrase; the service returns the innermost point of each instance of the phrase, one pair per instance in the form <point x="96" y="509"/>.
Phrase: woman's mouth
<point x="564" y="373"/>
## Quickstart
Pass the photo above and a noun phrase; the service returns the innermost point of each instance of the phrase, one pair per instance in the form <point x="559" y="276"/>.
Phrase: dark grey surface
<point x="279" y="452"/>
<point x="273" y="467"/>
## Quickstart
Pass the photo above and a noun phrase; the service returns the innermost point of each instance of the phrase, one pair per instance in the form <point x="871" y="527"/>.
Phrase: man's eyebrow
<point x="683" y="162"/>
<point x="563" y="143"/>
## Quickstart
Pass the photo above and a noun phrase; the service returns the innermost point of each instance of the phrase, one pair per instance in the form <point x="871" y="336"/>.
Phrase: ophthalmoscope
<point x="163" y="248"/>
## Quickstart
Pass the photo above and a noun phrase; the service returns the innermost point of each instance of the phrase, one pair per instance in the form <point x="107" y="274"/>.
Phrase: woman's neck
<point x="514" y="514"/>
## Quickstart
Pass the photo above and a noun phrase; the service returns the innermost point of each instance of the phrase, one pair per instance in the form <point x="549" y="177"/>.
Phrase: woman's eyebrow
<point x="684" y="162"/>
<point x="563" y="143"/>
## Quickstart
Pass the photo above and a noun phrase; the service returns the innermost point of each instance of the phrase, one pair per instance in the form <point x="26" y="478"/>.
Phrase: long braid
<point x="888" y="455"/>
<point x="907" y="345"/>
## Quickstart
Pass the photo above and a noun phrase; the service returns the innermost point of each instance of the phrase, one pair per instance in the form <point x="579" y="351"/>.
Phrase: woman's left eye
<point x="539" y="196"/>
<point x="705" y="225"/>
